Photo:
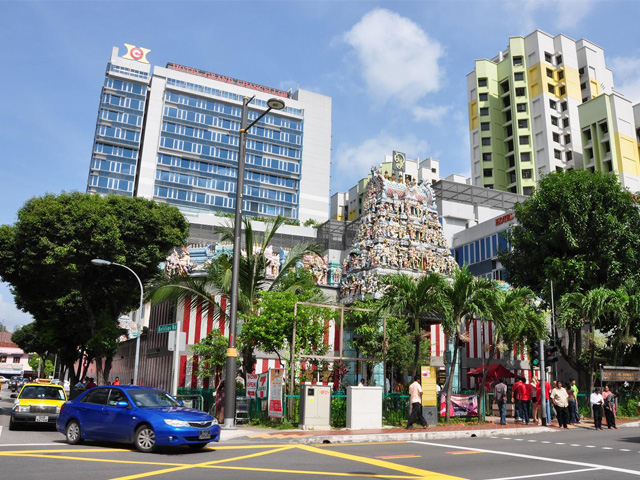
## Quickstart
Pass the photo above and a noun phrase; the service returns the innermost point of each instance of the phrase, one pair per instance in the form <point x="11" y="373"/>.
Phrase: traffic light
<point x="550" y="355"/>
<point x="534" y="354"/>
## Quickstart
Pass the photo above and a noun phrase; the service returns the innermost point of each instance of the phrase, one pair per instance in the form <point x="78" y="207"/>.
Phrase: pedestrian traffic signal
<point x="550" y="354"/>
<point x="534" y="354"/>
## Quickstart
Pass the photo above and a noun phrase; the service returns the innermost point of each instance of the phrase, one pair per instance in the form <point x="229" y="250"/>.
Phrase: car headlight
<point x="57" y="409"/>
<point x="21" y="408"/>
<point x="214" y="421"/>
<point x="176" y="423"/>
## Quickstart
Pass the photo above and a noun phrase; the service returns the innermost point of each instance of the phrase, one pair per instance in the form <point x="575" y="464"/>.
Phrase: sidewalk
<point x="439" y="432"/>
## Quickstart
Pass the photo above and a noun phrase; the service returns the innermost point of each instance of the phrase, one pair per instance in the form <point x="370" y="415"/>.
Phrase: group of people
<point x="527" y="400"/>
<point x="89" y="383"/>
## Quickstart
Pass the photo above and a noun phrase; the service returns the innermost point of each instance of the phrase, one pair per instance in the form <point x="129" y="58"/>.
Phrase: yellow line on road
<point x="381" y="463"/>
<point x="307" y="472"/>
<point x="204" y="464"/>
<point x="63" y="450"/>
<point x="101" y="460"/>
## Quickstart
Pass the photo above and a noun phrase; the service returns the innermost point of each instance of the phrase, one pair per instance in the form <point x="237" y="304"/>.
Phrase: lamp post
<point x="105" y="263"/>
<point x="232" y="354"/>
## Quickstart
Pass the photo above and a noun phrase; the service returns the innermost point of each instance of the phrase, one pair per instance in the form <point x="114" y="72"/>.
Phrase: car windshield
<point x="46" y="393"/>
<point x="153" y="398"/>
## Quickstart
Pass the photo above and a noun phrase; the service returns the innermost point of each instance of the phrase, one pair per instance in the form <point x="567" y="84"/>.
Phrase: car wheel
<point x="73" y="432"/>
<point x="145" y="439"/>
<point x="12" y="424"/>
<point x="197" y="446"/>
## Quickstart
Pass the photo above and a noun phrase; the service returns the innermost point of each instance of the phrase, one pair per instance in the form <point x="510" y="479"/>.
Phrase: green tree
<point x="41" y="365"/>
<point x="581" y="230"/>
<point x="46" y="258"/>
<point x="578" y="310"/>
<point x="252" y="278"/>
<point x="30" y="340"/>
<point x="623" y="327"/>
<point x="516" y="319"/>
<point x="269" y="327"/>
<point x="212" y="355"/>
<point x="417" y="300"/>
<point x="465" y="298"/>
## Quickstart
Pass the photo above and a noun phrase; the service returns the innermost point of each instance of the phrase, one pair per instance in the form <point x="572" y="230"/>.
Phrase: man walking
<point x="415" y="398"/>
<point x="597" y="401"/>
<point x="500" y="396"/>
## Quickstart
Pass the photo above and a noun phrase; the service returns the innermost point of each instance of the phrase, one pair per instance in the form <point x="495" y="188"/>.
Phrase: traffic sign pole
<point x="543" y="388"/>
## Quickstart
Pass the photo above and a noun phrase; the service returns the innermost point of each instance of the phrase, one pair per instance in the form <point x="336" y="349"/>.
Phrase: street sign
<point x="169" y="327"/>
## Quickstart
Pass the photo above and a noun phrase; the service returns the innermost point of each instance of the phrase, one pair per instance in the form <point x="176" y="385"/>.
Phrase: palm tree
<point x="515" y="317"/>
<point x="580" y="309"/>
<point x="466" y="297"/>
<point x="416" y="299"/>
<point x="201" y="290"/>
<point x="628" y="297"/>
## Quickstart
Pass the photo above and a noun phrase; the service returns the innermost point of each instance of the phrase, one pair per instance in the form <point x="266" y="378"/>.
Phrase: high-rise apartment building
<point x="171" y="134"/>
<point x="524" y="115"/>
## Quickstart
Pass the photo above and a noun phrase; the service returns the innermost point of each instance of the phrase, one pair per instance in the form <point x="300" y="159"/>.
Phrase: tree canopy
<point x="46" y="258"/>
<point x="580" y="229"/>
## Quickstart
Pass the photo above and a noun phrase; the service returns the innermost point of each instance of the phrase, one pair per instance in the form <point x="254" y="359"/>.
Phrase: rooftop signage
<point x="504" y="219"/>
<point x="138" y="54"/>
<point x="232" y="81"/>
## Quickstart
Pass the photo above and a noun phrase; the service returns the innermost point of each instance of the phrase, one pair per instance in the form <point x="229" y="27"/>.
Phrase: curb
<point x="407" y="436"/>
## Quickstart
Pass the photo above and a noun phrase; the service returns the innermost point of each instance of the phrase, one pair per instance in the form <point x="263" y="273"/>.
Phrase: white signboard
<point x="252" y="384"/>
<point x="263" y="385"/>
<point x="276" y="379"/>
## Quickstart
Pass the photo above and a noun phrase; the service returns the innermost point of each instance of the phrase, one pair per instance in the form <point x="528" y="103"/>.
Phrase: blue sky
<point x="396" y="71"/>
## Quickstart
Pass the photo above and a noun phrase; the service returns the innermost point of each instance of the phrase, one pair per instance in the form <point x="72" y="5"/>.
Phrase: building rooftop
<point x="472" y="195"/>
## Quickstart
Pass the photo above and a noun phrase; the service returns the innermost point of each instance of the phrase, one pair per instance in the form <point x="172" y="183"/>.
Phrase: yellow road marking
<point x="386" y="457"/>
<point x="204" y="464"/>
<point x="103" y="460"/>
<point x="61" y="450"/>
<point x="355" y="444"/>
<point x="381" y="463"/>
<point x="307" y="472"/>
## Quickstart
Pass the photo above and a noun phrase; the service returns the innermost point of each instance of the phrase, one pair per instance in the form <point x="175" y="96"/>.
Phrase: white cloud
<point x="563" y="14"/>
<point x="431" y="114"/>
<point x="10" y="316"/>
<point x="397" y="58"/>
<point x="353" y="162"/>
<point x="626" y="71"/>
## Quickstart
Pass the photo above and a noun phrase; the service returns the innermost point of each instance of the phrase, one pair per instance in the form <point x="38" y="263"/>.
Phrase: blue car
<point x="147" y="417"/>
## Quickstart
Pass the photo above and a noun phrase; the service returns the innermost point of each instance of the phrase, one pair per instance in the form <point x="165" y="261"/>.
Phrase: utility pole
<point x="543" y="387"/>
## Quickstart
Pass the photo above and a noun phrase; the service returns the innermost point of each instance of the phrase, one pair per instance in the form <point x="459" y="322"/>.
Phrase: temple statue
<point x="400" y="233"/>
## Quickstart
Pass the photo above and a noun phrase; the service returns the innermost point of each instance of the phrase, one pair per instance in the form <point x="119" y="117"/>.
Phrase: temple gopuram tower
<point x="399" y="233"/>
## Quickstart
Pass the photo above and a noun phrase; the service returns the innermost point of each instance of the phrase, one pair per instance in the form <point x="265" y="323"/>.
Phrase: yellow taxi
<point x="37" y="402"/>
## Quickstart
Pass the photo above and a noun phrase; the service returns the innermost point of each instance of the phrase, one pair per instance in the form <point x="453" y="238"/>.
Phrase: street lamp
<point x="232" y="354"/>
<point x="105" y="263"/>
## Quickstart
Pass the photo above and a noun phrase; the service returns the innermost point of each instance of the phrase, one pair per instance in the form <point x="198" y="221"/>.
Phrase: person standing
<point x="515" y="399"/>
<point x="560" y="399"/>
<point x="535" y="400"/>
<point x="500" y="396"/>
<point x="525" y="399"/>
<point x="596" y="402"/>
<point x="116" y="381"/>
<point x="571" y="399"/>
<point x="90" y="384"/>
<point x="415" y="398"/>
<point x="576" y="412"/>
<point x="610" y="408"/>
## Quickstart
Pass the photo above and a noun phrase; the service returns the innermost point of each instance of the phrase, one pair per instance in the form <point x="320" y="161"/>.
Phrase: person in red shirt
<point x="90" y="384"/>
<point x="516" y="395"/>
<point x="116" y="381"/>
<point x="525" y="400"/>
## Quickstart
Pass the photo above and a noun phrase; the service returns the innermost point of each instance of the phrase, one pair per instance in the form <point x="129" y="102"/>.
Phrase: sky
<point x="396" y="71"/>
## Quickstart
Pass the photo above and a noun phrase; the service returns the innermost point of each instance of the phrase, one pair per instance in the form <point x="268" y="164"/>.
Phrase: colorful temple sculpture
<point x="195" y="258"/>
<point x="399" y="233"/>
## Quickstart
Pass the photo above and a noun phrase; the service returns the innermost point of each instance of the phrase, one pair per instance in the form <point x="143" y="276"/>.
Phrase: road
<point x="578" y="454"/>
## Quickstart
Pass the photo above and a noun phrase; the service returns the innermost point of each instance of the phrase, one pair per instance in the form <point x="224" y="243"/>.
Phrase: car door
<point x="120" y="420"/>
<point x="92" y="415"/>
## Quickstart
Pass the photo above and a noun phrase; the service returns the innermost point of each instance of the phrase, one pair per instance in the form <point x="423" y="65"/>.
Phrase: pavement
<point x="490" y="428"/>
